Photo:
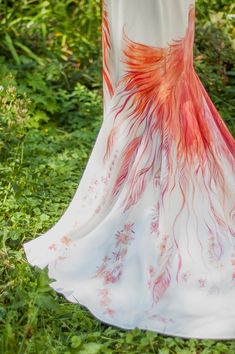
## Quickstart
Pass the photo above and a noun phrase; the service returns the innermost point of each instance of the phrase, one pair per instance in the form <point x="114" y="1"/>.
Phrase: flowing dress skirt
<point x="148" y="239"/>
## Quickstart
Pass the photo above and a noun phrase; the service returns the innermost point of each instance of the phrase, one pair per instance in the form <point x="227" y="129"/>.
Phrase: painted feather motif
<point x="108" y="89"/>
<point x="163" y="100"/>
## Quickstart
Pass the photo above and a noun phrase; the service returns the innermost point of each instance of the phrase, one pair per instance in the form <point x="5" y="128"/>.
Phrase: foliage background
<point x="50" y="114"/>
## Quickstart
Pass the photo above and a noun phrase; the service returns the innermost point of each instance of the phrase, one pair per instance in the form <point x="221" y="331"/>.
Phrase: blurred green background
<point x="50" y="114"/>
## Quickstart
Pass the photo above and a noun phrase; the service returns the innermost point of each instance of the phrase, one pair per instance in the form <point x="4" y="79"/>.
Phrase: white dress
<point x="148" y="240"/>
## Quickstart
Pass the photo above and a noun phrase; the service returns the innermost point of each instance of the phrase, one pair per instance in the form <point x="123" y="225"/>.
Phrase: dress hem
<point x="106" y="321"/>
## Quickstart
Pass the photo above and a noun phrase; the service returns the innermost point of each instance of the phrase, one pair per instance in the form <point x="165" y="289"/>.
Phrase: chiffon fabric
<point x="148" y="239"/>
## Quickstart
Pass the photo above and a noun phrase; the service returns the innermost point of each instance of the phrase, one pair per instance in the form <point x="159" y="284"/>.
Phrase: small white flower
<point x="1" y="88"/>
<point x="231" y="16"/>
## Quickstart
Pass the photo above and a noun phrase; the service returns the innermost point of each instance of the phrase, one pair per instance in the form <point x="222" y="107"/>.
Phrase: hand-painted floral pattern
<point x="105" y="301"/>
<point x="155" y="220"/>
<point x="185" y="276"/>
<point x="61" y="247"/>
<point x="98" y="188"/>
<point x="202" y="282"/>
<point x="112" y="266"/>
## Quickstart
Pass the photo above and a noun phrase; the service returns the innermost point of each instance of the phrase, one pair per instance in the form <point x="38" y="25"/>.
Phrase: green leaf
<point x="11" y="47"/>
<point x="91" y="348"/>
<point x="28" y="51"/>
<point x="76" y="342"/>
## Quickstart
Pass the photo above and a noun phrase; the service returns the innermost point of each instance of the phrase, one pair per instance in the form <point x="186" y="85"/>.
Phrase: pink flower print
<point x="163" y="244"/>
<point x="151" y="274"/>
<point x="128" y="227"/>
<point x="202" y="283"/>
<point x="52" y="247"/>
<point x="103" y="292"/>
<point x="109" y="277"/>
<point x="123" y="238"/>
<point x="113" y="276"/>
<point x="106" y="259"/>
<point x="97" y="210"/>
<point x="156" y="208"/>
<point x="117" y="255"/>
<point x="109" y="311"/>
<point x="124" y="252"/>
<point x="233" y="267"/>
<point x="101" y="269"/>
<point x="91" y="189"/>
<point x="66" y="240"/>
<point x="105" y="301"/>
<point x="215" y="246"/>
<point x="111" y="267"/>
<point x="154" y="226"/>
<point x="151" y="270"/>
<point x="104" y="180"/>
<point x="185" y="276"/>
